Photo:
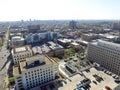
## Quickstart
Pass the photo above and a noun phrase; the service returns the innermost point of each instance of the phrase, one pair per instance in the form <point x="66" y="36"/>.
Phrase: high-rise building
<point x="105" y="53"/>
<point x="34" y="28"/>
<point x="72" y="25"/>
<point x="116" y="26"/>
<point x="34" y="72"/>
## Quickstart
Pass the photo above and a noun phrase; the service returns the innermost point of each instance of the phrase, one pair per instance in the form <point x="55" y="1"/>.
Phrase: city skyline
<point x="13" y="10"/>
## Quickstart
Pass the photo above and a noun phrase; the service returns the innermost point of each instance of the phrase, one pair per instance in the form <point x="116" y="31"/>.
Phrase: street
<point x="4" y="53"/>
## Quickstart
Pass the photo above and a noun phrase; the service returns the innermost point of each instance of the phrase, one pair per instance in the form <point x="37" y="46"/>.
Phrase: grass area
<point x="11" y="80"/>
<point x="1" y="42"/>
<point x="56" y="59"/>
<point x="70" y="51"/>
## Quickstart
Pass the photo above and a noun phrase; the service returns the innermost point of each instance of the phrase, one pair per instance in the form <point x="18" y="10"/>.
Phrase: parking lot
<point x="107" y="80"/>
<point x="72" y="82"/>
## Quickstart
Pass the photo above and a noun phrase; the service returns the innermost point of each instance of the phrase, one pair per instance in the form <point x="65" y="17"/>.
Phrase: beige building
<point x="34" y="71"/>
<point x="89" y="37"/>
<point x="107" y="54"/>
<point x="57" y="49"/>
<point x="20" y="53"/>
<point x="75" y="45"/>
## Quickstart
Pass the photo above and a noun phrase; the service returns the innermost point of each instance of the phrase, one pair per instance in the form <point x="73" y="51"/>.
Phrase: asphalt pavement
<point x="4" y="53"/>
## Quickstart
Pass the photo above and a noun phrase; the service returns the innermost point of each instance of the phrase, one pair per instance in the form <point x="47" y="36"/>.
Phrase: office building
<point x="116" y="26"/>
<point x="56" y="48"/>
<point x="72" y="25"/>
<point x="20" y="53"/>
<point x="34" y="72"/>
<point x="34" y="28"/>
<point x="105" y="53"/>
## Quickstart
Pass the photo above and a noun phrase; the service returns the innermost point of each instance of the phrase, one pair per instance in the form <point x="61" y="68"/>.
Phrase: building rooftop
<point x="21" y="49"/>
<point x="74" y="43"/>
<point x="81" y="41"/>
<point x="107" y="44"/>
<point x="65" y="40"/>
<point x="54" y="46"/>
<point x="37" y="50"/>
<point x="108" y="36"/>
<point x="45" y="48"/>
<point x="23" y="65"/>
<point x="91" y="34"/>
<point x="17" y="38"/>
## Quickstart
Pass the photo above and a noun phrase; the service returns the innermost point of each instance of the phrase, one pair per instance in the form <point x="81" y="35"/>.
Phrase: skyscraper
<point x="72" y="25"/>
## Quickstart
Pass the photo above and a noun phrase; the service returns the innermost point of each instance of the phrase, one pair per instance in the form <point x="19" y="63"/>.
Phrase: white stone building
<point x="107" y="54"/>
<point x="34" y="72"/>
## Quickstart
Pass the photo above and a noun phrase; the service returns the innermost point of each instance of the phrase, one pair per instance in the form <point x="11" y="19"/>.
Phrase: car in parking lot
<point x="108" y="88"/>
<point x="98" y="78"/>
<point x="117" y="80"/>
<point x="95" y="82"/>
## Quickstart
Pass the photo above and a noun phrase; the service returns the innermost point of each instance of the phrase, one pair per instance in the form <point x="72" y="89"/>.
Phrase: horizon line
<point x="59" y="20"/>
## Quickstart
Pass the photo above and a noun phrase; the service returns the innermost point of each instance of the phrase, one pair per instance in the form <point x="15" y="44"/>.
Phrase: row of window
<point x="24" y="55"/>
<point x="42" y="75"/>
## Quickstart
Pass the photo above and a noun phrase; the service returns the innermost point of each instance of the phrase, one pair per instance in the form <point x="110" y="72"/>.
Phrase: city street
<point x="4" y="53"/>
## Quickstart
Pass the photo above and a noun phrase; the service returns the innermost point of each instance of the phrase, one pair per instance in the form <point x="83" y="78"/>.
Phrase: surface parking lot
<point x="72" y="82"/>
<point x="107" y="80"/>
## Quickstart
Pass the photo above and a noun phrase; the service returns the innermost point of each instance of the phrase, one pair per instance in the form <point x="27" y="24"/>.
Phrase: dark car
<point x="95" y="82"/>
<point x="117" y="80"/>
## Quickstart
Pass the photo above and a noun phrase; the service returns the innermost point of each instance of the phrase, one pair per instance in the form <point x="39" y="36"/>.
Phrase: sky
<point x="13" y="10"/>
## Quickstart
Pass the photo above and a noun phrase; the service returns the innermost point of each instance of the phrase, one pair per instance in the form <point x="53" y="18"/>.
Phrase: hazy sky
<point x="11" y="10"/>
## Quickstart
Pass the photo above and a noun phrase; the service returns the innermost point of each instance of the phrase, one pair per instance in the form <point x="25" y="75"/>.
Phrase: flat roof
<point x="22" y="64"/>
<point x="74" y="43"/>
<point x="45" y="48"/>
<point x="36" y="57"/>
<point x="20" y="49"/>
<point x="108" y="80"/>
<point x="37" y="49"/>
<point x="107" y="44"/>
<point x="64" y="40"/>
<point x="90" y="34"/>
<point x="55" y="46"/>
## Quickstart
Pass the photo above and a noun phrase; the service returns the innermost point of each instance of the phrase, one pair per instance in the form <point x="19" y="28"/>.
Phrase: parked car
<point x="108" y="88"/>
<point x="117" y="80"/>
<point x="95" y="82"/>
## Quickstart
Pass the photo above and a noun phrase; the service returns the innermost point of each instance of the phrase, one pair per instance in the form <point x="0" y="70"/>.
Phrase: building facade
<point x="89" y="37"/>
<point x="34" y="72"/>
<point x="107" y="54"/>
<point x="57" y="49"/>
<point x="41" y="37"/>
<point x="20" y="53"/>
